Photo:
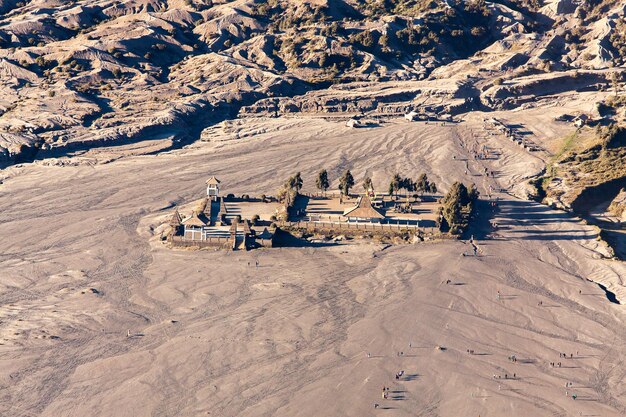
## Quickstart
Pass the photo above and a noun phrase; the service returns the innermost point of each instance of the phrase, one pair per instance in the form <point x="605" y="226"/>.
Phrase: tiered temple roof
<point x="364" y="209"/>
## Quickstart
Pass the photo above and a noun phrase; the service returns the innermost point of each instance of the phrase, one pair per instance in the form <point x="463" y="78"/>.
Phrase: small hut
<point x="581" y="120"/>
<point x="364" y="211"/>
<point x="353" y="123"/>
<point x="213" y="188"/>
<point x="412" y="116"/>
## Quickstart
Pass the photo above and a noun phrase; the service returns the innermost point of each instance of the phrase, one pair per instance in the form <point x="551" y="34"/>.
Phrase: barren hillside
<point x="86" y="73"/>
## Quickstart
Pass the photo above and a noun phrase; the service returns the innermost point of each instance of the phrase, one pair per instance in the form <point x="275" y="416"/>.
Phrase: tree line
<point x="422" y="185"/>
<point x="397" y="183"/>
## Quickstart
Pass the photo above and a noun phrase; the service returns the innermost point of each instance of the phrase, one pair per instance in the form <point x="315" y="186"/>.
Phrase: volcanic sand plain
<point x="82" y="264"/>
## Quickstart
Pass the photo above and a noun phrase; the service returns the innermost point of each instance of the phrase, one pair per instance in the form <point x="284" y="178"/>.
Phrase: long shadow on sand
<point x="287" y="240"/>
<point x="521" y="218"/>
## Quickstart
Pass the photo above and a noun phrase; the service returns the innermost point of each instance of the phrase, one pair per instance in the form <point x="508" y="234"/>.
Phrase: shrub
<point x="363" y="38"/>
<point x="477" y="31"/>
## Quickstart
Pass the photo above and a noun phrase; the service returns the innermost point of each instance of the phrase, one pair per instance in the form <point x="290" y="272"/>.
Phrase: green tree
<point x="422" y="185"/>
<point x="452" y="214"/>
<point x="457" y="205"/>
<point x="408" y="185"/>
<point x="457" y="193"/>
<point x="322" y="182"/>
<point x="615" y="78"/>
<point x="298" y="181"/>
<point x="367" y="184"/>
<point x="346" y="182"/>
<point x="289" y="191"/>
<point x="396" y="183"/>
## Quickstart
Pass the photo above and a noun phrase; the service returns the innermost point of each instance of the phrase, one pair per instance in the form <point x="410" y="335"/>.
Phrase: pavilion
<point x="213" y="188"/>
<point x="194" y="227"/>
<point x="364" y="211"/>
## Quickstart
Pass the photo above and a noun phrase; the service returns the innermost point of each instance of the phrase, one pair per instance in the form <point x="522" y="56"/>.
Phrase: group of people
<point x="506" y="376"/>
<point x="385" y="395"/>
<point x="564" y="356"/>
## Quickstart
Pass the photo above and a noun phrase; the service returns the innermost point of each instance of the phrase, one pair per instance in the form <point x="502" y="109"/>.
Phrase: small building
<point x="364" y="211"/>
<point x="581" y="120"/>
<point x="411" y="116"/>
<point x="353" y="123"/>
<point x="194" y="227"/>
<point x="213" y="187"/>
